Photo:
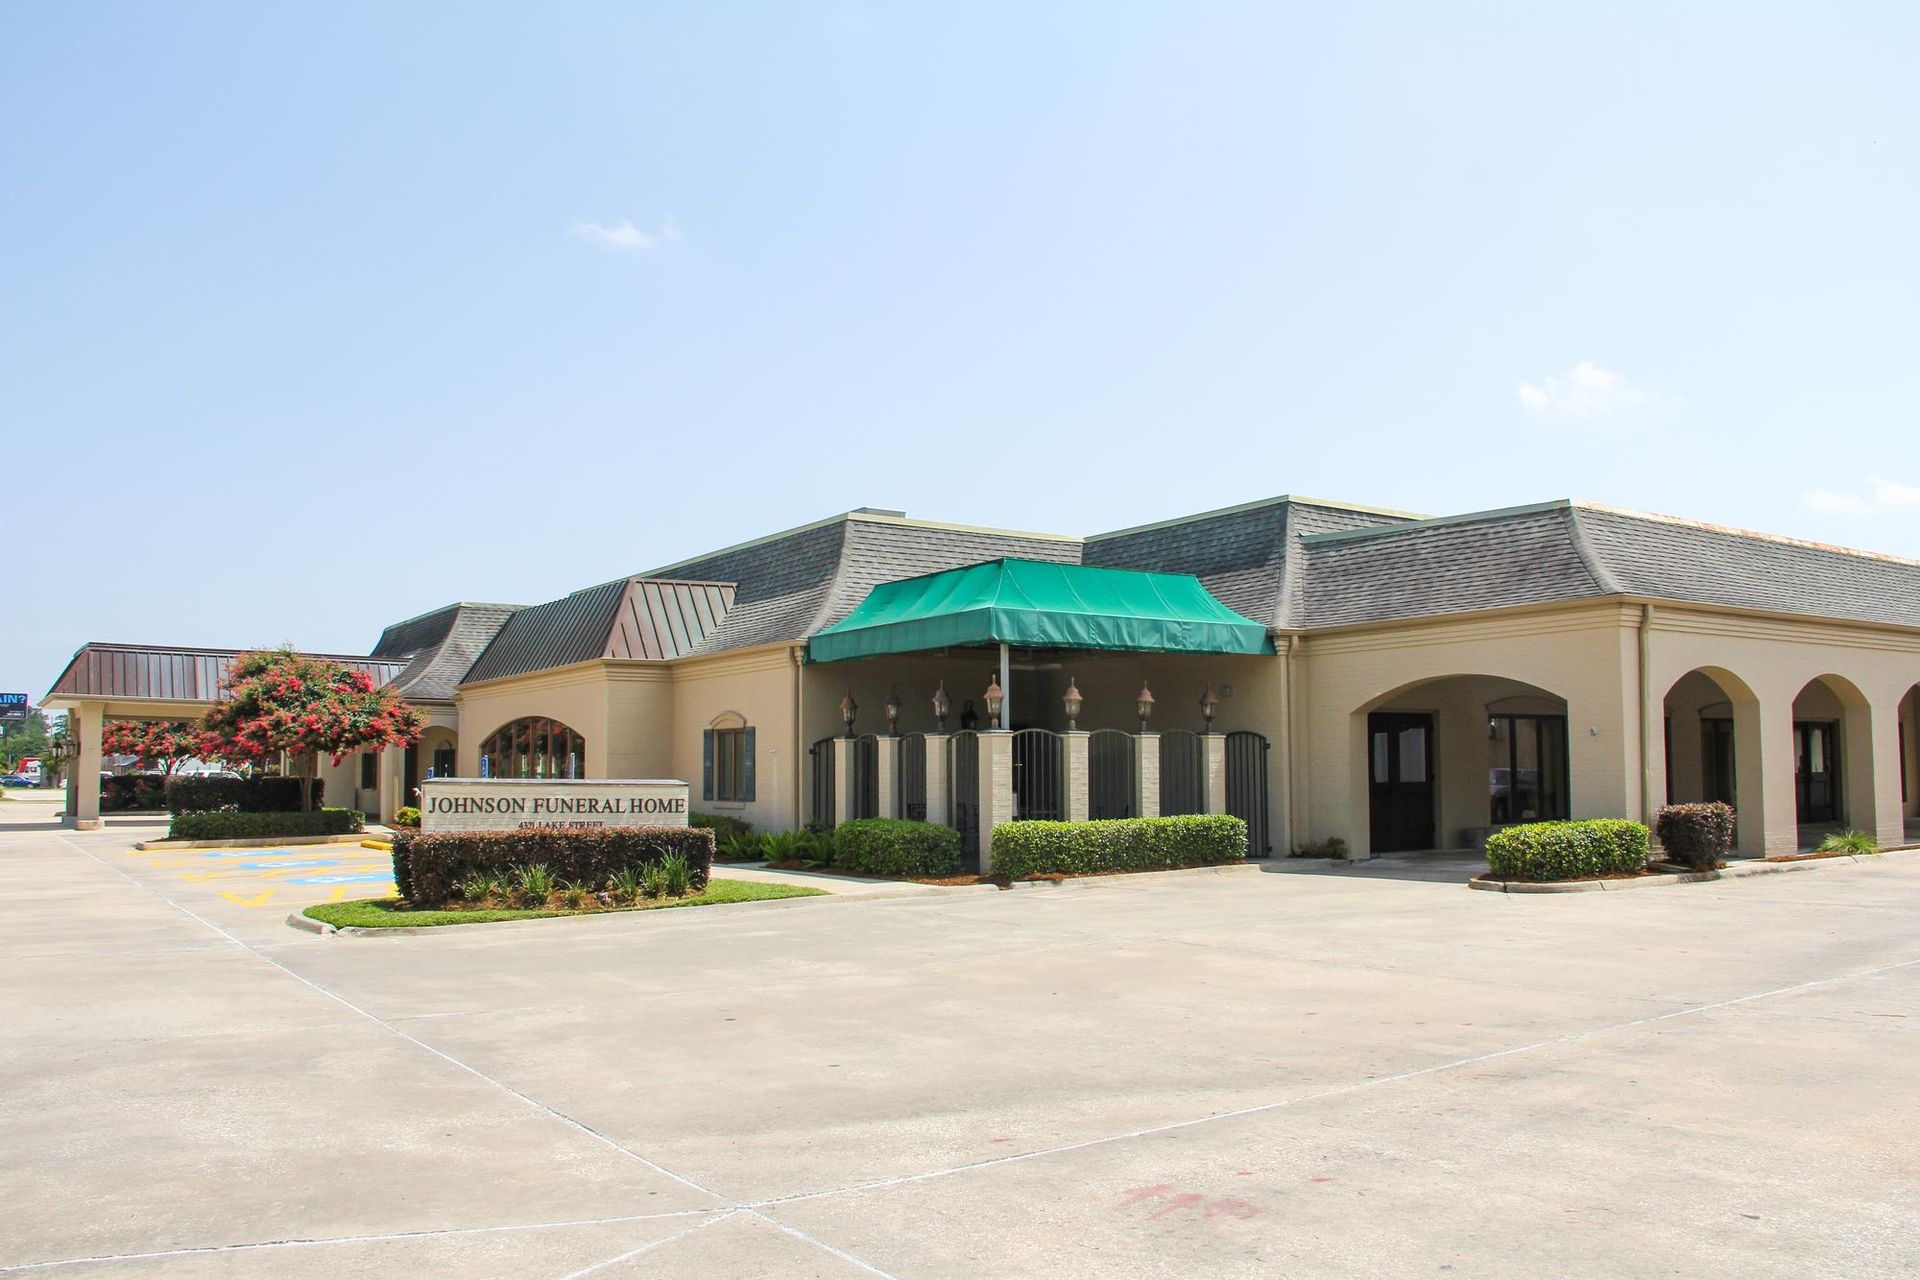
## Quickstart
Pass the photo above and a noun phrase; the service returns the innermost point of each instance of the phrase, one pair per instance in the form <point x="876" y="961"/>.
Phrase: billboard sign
<point x="14" y="706"/>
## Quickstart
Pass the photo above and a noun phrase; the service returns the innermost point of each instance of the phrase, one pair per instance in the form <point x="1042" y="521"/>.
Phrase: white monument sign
<point x="508" y="804"/>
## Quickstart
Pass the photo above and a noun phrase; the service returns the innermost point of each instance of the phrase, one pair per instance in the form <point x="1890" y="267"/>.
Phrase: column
<point x="842" y="780"/>
<point x="1888" y="820"/>
<point x="886" y="773"/>
<point x="84" y="727"/>
<point x="937" y="798"/>
<point x="1076" y="779"/>
<point x="1764" y="767"/>
<point x="1146" y="775"/>
<point x="996" y="790"/>
<point x="1214" y="761"/>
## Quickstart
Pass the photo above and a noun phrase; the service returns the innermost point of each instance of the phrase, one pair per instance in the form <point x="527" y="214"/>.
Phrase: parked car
<point x="17" y="780"/>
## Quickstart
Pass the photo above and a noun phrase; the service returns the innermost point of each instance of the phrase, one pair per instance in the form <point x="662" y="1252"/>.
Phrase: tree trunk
<point x="308" y="765"/>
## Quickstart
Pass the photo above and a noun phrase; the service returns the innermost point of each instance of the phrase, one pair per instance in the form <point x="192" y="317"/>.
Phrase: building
<point x="1398" y="682"/>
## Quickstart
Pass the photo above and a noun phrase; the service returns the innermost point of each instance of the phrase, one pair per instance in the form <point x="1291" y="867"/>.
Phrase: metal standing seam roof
<point x="171" y="674"/>
<point x="1040" y="605"/>
<point x="646" y="618"/>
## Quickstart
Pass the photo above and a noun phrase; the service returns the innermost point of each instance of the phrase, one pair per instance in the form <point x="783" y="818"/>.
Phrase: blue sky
<point x="315" y="318"/>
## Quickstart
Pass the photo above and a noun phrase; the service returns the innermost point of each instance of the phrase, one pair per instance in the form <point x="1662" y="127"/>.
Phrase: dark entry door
<point x="1400" y="770"/>
<point x="1817" y="771"/>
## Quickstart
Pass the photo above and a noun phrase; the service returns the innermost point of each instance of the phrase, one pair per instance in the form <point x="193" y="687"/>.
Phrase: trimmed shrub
<point x="225" y="824"/>
<point x="199" y="793"/>
<point x="1569" y="850"/>
<point x="430" y="869"/>
<point x="724" y="828"/>
<point x="896" y="847"/>
<point x="132" y="791"/>
<point x="1022" y="849"/>
<point x="1696" y="835"/>
<point x="406" y="816"/>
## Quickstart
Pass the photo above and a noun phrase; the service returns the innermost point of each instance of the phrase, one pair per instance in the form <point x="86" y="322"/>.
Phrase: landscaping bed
<point x="396" y="913"/>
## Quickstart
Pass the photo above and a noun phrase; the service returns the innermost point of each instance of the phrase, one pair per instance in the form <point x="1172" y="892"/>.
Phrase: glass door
<point x="1817" y="775"/>
<point x="1400" y="773"/>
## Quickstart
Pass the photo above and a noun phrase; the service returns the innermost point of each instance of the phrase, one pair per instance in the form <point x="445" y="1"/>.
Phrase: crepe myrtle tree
<point x="279" y="700"/>
<point x="155" y="744"/>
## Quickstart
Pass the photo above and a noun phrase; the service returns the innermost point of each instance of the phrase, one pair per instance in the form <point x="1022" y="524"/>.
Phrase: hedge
<point x="896" y="847"/>
<point x="226" y="824"/>
<point x="1569" y="850"/>
<point x="1699" y="835"/>
<point x="197" y="793"/>
<point x="126" y="791"/>
<point x="429" y="869"/>
<point x="1022" y="849"/>
<point x="724" y="828"/>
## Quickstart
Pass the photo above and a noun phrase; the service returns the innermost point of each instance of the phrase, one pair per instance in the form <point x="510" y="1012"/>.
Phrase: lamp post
<point x="1073" y="701"/>
<point x="995" y="697"/>
<point x="848" y="709"/>
<point x="1144" y="705"/>
<point x="1209" y="703"/>
<point x="893" y="713"/>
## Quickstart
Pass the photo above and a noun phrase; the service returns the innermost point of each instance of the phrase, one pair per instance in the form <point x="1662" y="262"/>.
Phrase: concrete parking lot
<point x="1242" y="1075"/>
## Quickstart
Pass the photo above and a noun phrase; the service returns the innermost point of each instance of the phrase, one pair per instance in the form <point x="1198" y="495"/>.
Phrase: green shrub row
<point x="896" y="847"/>
<point x="126" y="791"/>
<point x="431" y="869"/>
<point x="1569" y="850"/>
<point x="197" y="793"/>
<point x="1022" y="849"/>
<point x="1696" y="835"/>
<point x="724" y="828"/>
<point x="223" y="824"/>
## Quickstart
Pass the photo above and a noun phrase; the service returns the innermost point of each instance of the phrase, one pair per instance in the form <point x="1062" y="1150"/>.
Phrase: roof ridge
<point x="1285" y="499"/>
<point x="1736" y="531"/>
<point x="1590" y="556"/>
<point x="1435" y="522"/>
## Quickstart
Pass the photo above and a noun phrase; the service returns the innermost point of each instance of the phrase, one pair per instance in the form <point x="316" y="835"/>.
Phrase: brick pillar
<point x="886" y="761"/>
<point x="842" y="780"/>
<point x="1146" y="774"/>
<point x="937" y="798"/>
<point x="996" y="790"/>
<point x="1213" y="747"/>
<point x="1073" y="758"/>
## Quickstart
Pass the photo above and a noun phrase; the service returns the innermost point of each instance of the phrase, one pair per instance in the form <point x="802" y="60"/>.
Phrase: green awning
<point x="1037" y="604"/>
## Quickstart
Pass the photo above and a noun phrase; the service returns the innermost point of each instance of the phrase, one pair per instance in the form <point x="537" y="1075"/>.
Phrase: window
<point x="532" y="748"/>
<point x="727" y="763"/>
<point x="442" y="762"/>
<point x="1527" y="768"/>
<point x="369" y="771"/>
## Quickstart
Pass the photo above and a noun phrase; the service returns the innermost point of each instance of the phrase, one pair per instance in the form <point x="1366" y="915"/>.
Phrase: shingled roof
<point x="440" y="647"/>
<point x="1247" y="556"/>
<point x="640" y="617"/>
<point x="1564" y="550"/>
<point x="792" y="584"/>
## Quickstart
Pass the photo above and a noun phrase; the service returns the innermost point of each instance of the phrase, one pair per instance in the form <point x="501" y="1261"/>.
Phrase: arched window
<point x="534" y="748"/>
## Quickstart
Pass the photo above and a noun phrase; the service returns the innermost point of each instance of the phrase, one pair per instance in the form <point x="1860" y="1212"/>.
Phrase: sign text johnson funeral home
<point x="505" y="804"/>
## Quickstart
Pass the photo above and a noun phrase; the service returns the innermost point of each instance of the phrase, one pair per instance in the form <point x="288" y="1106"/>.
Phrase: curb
<point x="1732" y="871"/>
<point x="1131" y="877"/>
<point x="247" y="842"/>
<point x="307" y="924"/>
<point x="429" y="930"/>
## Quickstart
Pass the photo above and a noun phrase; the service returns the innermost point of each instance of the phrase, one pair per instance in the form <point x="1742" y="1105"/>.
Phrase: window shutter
<point x="706" y="764"/>
<point x="746" y="767"/>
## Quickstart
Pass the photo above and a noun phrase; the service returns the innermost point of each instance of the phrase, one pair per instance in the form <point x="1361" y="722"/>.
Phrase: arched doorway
<point x="1909" y="739"/>
<point x="1713" y="748"/>
<point x="1451" y="759"/>
<point x="1832" y="758"/>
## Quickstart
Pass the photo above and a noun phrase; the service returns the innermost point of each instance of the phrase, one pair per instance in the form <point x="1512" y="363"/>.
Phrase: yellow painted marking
<point x="381" y="845"/>
<point x="258" y="899"/>
<point x="339" y="894"/>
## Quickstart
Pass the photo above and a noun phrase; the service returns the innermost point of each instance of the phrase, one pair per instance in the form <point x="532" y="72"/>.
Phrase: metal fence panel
<point x="1183" y="773"/>
<point x="1039" y="775"/>
<point x="865" y="779"/>
<point x="1247" y="787"/>
<point x="1110" y="755"/>
<point x="913" y="777"/>
<point x="963" y="790"/>
<point x="822" y="753"/>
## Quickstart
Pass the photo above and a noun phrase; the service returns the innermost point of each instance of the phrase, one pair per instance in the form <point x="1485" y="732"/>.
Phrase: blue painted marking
<point x="250" y="853"/>
<point x="360" y="879"/>
<point x="281" y="866"/>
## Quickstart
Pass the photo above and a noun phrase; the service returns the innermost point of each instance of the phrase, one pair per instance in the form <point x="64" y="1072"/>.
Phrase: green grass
<point x="385" y="913"/>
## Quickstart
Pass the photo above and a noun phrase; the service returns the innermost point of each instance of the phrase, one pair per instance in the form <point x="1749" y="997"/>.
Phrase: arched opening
<point x="1712" y="746"/>
<point x="1910" y="763"/>
<point x="1832" y="758"/>
<point x="1450" y="760"/>
<point x="534" y="747"/>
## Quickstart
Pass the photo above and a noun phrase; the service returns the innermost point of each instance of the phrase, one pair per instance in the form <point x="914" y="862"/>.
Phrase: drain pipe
<point x="799" y="739"/>
<point x="1647" y="807"/>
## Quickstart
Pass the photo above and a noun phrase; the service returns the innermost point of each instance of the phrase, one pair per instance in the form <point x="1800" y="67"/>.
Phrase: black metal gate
<point x="963" y="791"/>
<point x="864" y="779"/>
<point x="822" y="812"/>
<point x="1247" y="787"/>
<point x="1039" y="776"/>
<point x="1183" y="773"/>
<point x="913" y="777"/>
<point x="1110" y="774"/>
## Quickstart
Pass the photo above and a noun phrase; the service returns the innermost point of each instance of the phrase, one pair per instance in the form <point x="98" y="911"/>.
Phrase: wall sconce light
<point x="1209" y="703"/>
<point x="1144" y="705"/>
<point x="995" y="696"/>
<point x="848" y="709"/>
<point x="893" y="712"/>
<point x="1073" y="702"/>
<point x="941" y="706"/>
